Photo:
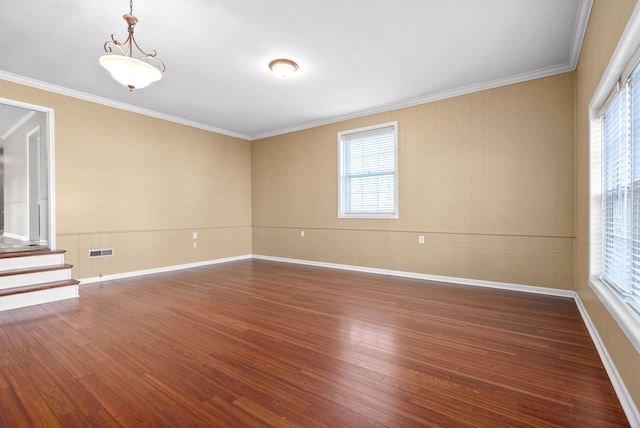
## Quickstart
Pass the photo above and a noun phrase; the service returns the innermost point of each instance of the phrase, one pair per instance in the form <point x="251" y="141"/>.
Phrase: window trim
<point x="617" y="69"/>
<point x="341" y="166"/>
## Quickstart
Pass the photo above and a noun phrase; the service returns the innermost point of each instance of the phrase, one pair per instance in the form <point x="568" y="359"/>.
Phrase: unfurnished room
<point x="312" y="213"/>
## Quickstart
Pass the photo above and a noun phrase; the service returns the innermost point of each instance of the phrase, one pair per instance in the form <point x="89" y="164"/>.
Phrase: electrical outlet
<point x="302" y="233"/>
<point x="195" y="235"/>
<point x="420" y="239"/>
<point x="195" y="244"/>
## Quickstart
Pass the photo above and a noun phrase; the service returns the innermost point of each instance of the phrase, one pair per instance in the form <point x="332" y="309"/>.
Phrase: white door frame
<point x="50" y="145"/>
<point x="33" y="185"/>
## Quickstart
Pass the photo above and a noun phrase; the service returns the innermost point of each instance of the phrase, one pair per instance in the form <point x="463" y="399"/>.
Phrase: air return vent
<point x="105" y="252"/>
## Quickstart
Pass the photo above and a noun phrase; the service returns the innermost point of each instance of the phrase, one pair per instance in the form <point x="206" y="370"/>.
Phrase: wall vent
<point x="105" y="252"/>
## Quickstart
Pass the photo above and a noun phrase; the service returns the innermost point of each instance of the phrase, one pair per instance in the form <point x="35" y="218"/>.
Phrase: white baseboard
<point x="437" y="278"/>
<point x="626" y="401"/>
<point x="630" y="409"/>
<point x="161" y="269"/>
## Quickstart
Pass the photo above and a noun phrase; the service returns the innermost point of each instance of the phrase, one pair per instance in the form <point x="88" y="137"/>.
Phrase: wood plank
<point x="26" y="251"/>
<point x="37" y="287"/>
<point x="258" y="343"/>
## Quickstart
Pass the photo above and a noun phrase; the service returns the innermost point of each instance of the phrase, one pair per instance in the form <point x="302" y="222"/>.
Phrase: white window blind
<point x="368" y="172"/>
<point x="621" y="193"/>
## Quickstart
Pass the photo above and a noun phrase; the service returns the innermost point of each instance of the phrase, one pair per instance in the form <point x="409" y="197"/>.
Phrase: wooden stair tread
<point x="30" y="253"/>
<point x="36" y="269"/>
<point x="37" y="287"/>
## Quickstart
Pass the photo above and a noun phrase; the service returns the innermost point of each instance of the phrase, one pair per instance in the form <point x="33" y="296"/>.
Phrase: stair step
<point x="34" y="277"/>
<point x="37" y="287"/>
<point x="25" y="271"/>
<point x="25" y="259"/>
<point x="29" y="253"/>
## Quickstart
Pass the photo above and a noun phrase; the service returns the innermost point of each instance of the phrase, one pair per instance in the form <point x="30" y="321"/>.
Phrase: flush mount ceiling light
<point x="283" y="67"/>
<point x="127" y="70"/>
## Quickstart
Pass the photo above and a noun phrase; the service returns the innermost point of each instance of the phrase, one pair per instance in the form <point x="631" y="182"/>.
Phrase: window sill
<point x="370" y="216"/>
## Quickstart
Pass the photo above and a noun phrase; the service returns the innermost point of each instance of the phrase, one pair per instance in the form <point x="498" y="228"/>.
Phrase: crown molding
<point x="518" y="78"/>
<point x="38" y="84"/>
<point x="579" y="31"/>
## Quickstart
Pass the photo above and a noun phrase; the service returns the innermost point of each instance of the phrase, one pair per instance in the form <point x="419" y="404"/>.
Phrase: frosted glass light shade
<point x="130" y="72"/>
<point x="283" y="67"/>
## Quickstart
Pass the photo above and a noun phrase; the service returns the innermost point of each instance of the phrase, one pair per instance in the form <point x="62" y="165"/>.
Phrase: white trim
<point x="627" y="46"/>
<point x="30" y="278"/>
<point x="28" y="261"/>
<point x="35" y="130"/>
<point x="582" y="19"/>
<point x="38" y="84"/>
<point x="404" y="274"/>
<point x="51" y="147"/>
<point x="161" y="270"/>
<point x="580" y="29"/>
<point x="518" y="78"/>
<point x="17" y="125"/>
<point x="341" y="173"/>
<point x="626" y="401"/>
<point x="624" y="52"/>
<point x="427" y="277"/>
<point x="49" y="112"/>
<point x="618" y="311"/>
<point x="466" y="90"/>
<point x="595" y="196"/>
<point x="21" y="300"/>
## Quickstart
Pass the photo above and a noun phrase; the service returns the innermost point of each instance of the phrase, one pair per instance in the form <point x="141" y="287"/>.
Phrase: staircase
<point x="34" y="277"/>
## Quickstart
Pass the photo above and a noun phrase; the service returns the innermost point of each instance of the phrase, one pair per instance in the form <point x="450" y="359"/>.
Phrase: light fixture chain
<point x="130" y="7"/>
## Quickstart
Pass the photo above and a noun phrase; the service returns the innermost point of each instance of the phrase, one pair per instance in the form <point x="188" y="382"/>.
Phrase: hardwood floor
<point x="257" y="343"/>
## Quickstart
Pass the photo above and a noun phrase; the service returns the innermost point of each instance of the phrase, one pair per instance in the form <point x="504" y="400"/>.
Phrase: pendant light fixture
<point x="132" y="72"/>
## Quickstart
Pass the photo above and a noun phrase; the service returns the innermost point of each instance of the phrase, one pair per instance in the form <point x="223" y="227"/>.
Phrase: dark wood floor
<point x="256" y="343"/>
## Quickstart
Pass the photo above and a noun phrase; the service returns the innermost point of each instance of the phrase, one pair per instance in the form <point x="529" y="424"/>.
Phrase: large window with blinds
<point x="621" y="192"/>
<point x="368" y="173"/>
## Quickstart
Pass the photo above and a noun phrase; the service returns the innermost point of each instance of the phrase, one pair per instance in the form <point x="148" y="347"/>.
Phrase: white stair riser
<point x="21" y="300"/>
<point x="12" y="281"/>
<point x="26" y="262"/>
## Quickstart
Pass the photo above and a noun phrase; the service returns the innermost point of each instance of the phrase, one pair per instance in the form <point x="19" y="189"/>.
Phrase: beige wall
<point x="606" y="24"/>
<point x="142" y="186"/>
<point x="486" y="177"/>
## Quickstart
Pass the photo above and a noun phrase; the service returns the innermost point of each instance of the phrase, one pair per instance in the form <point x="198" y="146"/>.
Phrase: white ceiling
<point x="356" y="56"/>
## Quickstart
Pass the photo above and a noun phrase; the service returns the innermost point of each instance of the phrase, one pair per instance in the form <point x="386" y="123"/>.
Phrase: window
<point x="621" y="193"/>
<point x="368" y="181"/>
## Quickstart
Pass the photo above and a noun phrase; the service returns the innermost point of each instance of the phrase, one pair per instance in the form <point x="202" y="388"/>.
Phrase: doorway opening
<point x="27" y="216"/>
